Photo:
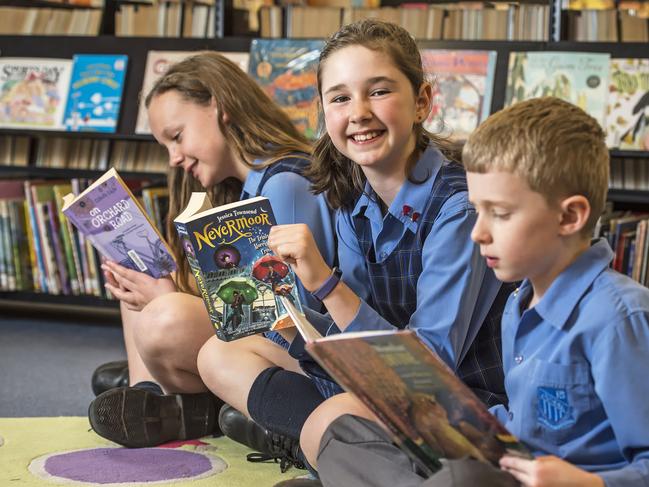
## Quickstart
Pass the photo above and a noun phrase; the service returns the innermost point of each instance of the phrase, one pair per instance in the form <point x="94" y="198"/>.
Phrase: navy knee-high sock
<point x="281" y="401"/>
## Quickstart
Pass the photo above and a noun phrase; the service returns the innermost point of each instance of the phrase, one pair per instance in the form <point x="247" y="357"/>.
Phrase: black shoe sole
<point x="137" y="418"/>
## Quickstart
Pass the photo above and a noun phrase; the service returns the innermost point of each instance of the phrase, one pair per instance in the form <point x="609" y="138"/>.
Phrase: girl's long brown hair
<point x="257" y="129"/>
<point x="332" y="172"/>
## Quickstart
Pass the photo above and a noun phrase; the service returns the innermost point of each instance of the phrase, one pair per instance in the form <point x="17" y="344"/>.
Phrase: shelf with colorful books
<point x="603" y="20"/>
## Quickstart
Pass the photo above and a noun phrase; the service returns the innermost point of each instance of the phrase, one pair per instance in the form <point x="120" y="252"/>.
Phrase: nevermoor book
<point x="239" y="279"/>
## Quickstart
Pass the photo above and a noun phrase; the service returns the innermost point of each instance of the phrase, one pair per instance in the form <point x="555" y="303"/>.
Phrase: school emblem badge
<point x="554" y="410"/>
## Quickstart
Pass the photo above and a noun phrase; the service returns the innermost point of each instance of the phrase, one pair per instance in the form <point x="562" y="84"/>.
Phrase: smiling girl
<point x="224" y="136"/>
<point x="403" y="225"/>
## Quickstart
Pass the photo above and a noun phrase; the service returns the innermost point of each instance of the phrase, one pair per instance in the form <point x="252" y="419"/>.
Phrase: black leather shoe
<point x="110" y="375"/>
<point x="299" y="483"/>
<point x="138" y="418"/>
<point x="271" y="446"/>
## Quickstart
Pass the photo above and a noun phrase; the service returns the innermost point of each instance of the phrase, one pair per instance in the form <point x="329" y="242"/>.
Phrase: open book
<point x="429" y="411"/>
<point x="108" y="215"/>
<point x="240" y="281"/>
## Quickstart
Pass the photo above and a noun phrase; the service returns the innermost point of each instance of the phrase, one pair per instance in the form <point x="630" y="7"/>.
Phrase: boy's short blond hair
<point x="555" y="146"/>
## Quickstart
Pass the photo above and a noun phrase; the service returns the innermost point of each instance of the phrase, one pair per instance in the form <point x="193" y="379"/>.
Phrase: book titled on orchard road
<point x="430" y="413"/>
<point x="239" y="279"/>
<point x="112" y="219"/>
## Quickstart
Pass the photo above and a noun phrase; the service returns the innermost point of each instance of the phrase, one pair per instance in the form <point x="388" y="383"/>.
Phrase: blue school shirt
<point x="293" y="202"/>
<point x="577" y="369"/>
<point x="455" y="289"/>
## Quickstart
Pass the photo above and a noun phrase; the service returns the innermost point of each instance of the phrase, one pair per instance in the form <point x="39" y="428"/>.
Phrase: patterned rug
<point x="64" y="451"/>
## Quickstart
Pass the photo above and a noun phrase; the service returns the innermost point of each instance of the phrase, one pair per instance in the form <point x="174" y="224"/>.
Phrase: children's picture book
<point x="462" y="83"/>
<point x="112" y="219"/>
<point x="627" y="119"/>
<point x="33" y="92"/>
<point x="95" y="93"/>
<point x="580" y="78"/>
<point x="239" y="279"/>
<point x="286" y="70"/>
<point x="157" y="64"/>
<point x="429" y="411"/>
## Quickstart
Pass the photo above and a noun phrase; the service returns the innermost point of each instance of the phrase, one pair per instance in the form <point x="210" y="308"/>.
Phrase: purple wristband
<point x="329" y="285"/>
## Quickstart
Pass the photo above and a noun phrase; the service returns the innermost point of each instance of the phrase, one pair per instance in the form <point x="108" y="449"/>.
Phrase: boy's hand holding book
<point x="548" y="471"/>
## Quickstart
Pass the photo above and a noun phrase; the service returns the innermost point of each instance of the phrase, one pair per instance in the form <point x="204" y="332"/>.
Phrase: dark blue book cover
<point x="239" y="279"/>
<point x="95" y="92"/>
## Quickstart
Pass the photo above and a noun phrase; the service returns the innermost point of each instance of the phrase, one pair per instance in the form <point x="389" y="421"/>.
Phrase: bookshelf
<point x="137" y="48"/>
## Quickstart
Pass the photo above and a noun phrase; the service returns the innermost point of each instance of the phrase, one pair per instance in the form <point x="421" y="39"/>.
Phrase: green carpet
<point x="64" y="451"/>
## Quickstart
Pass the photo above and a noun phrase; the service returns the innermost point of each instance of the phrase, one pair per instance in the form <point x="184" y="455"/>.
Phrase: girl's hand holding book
<point x="295" y="245"/>
<point x="135" y="289"/>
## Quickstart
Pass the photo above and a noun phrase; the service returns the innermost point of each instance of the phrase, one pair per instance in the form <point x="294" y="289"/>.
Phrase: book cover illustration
<point x="462" y="83"/>
<point x="112" y="219"/>
<point x="627" y="120"/>
<point x="33" y="92"/>
<point x="577" y="77"/>
<point x="95" y="94"/>
<point x="430" y="412"/>
<point x="286" y="70"/>
<point x="157" y="64"/>
<point x="240" y="281"/>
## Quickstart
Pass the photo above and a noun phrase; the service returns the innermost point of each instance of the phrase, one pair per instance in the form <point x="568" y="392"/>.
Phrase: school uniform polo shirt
<point x="454" y="289"/>
<point x="293" y="202"/>
<point x="577" y="369"/>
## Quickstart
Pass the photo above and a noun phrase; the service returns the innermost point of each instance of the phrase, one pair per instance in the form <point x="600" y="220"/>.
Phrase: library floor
<point x="46" y="361"/>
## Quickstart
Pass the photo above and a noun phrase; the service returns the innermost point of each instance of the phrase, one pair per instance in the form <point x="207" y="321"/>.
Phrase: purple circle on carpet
<point x="121" y="465"/>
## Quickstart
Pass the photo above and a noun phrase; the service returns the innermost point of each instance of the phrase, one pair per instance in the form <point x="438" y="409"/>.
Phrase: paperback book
<point x="33" y="92"/>
<point x="112" y="219"/>
<point x="627" y="120"/>
<point x="239" y="279"/>
<point x="157" y="64"/>
<point x="462" y="87"/>
<point x="286" y="70"/>
<point x="580" y="78"/>
<point x="429" y="411"/>
<point x="95" y="92"/>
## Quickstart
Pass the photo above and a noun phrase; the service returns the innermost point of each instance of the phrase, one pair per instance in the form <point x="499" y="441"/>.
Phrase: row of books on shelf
<point x="166" y="19"/>
<point x="79" y="94"/>
<point x="629" y="173"/>
<point x="93" y="154"/>
<point x="606" y="26"/>
<point x="626" y="232"/>
<point x="614" y="91"/>
<point x="41" y="251"/>
<point x="515" y="22"/>
<point x="50" y="21"/>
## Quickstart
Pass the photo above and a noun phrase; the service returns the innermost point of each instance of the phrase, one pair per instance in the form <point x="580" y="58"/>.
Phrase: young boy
<point x="575" y="334"/>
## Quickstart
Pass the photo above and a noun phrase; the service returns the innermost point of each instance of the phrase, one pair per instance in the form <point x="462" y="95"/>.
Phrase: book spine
<point x="33" y="262"/>
<point x="4" y="274"/>
<point x="59" y="256"/>
<point x="10" y="245"/>
<point x="202" y="287"/>
<point x="40" y="279"/>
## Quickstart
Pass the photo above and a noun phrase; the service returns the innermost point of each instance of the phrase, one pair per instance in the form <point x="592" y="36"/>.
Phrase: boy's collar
<point x="563" y="295"/>
<point x="411" y="199"/>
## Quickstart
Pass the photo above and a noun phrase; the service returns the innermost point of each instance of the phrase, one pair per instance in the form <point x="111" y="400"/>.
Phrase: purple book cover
<point x="110" y="217"/>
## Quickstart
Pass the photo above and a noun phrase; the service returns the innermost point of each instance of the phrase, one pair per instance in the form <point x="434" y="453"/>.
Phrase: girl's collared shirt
<point x="293" y="202"/>
<point x="576" y="369"/>
<point x="455" y="289"/>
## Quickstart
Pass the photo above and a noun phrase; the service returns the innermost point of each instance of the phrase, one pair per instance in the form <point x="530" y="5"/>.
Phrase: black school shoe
<point x="110" y="375"/>
<point x="271" y="446"/>
<point x="138" y="418"/>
